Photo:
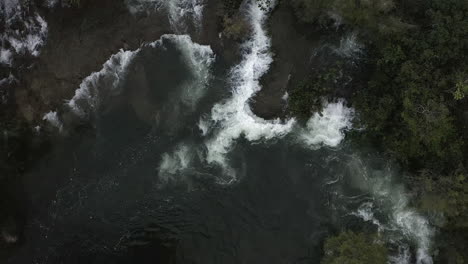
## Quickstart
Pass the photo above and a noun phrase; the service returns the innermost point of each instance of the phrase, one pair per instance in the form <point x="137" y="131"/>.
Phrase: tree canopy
<point x="354" y="248"/>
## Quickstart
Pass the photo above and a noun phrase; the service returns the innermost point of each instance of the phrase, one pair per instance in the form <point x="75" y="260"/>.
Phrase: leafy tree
<point x="354" y="248"/>
<point x="417" y="88"/>
<point x="413" y="103"/>
<point x="235" y="27"/>
<point x="306" y="98"/>
<point x="447" y="195"/>
<point x="372" y="15"/>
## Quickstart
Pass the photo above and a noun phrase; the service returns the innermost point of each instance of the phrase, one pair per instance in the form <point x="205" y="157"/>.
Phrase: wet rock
<point x="80" y="40"/>
<point x="293" y="45"/>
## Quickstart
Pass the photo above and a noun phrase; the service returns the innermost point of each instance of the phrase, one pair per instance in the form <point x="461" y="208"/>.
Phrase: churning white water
<point x="174" y="165"/>
<point x="24" y="32"/>
<point x="401" y="221"/>
<point x="181" y="9"/>
<point x="53" y="120"/>
<point x="86" y="98"/>
<point x="413" y="225"/>
<point x="327" y="127"/>
<point x="178" y="11"/>
<point x="233" y="118"/>
<point x="350" y="47"/>
<point x="198" y="57"/>
<point x="51" y="3"/>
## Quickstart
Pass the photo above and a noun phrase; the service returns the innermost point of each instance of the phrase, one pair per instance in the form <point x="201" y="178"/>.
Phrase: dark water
<point x="94" y="195"/>
<point x="102" y="195"/>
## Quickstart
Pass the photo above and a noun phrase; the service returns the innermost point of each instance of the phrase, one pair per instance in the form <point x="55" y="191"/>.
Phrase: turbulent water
<point x="176" y="149"/>
<point x="180" y="13"/>
<point x="24" y="31"/>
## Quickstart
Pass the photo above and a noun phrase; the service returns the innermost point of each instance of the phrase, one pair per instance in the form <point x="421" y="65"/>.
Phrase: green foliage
<point x="354" y="248"/>
<point x="235" y="27"/>
<point x="414" y="93"/>
<point x="461" y="90"/>
<point x="311" y="10"/>
<point x="413" y="103"/>
<point x="373" y="15"/>
<point x="446" y="194"/>
<point x="307" y="97"/>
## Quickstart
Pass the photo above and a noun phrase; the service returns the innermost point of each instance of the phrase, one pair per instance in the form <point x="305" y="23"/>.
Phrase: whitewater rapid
<point x="232" y="118"/>
<point x="87" y="97"/>
<point x="385" y="204"/>
<point x="24" y="32"/>
<point x="327" y="127"/>
<point x="102" y="85"/>
<point x="180" y="13"/>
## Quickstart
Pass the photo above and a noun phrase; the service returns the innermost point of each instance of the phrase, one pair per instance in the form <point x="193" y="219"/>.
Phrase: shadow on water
<point x="96" y="198"/>
<point x="98" y="195"/>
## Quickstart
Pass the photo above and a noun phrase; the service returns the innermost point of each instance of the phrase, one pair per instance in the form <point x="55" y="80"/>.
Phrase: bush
<point x="416" y="90"/>
<point x="354" y="248"/>
<point x="235" y="27"/>
<point x="306" y="98"/>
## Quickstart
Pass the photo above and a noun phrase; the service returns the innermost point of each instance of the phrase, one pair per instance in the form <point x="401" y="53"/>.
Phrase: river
<point x="161" y="158"/>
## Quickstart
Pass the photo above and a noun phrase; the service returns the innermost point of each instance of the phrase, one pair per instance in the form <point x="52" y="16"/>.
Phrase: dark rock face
<point x="293" y="49"/>
<point x="80" y="40"/>
<point x="300" y="52"/>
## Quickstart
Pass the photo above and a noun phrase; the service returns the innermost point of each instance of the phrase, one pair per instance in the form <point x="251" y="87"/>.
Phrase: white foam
<point x="414" y="226"/>
<point x="181" y="9"/>
<point x="337" y="19"/>
<point x="350" y="47"/>
<point x="233" y="118"/>
<point x="9" y="80"/>
<point x="404" y="220"/>
<point x="178" y="10"/>
<point x="53" y="119"/>
<point x="327" y="128"/>
<point x="204" y="126"/>
<point x="26" y="41"/>
<point x="4" y="83"/>
<point x="402" y="257"/>
<point x="174" y="164"/>
<point x="86" y="98"/>
<point x="137" y="6"/>
<point x="51" y="3"/>
<point x="366" y="213"/>
<point x="8" y="237"/>
<point x="198" y="57"/>
<point x="6" y="56"/>
<point x="10" y="7"/>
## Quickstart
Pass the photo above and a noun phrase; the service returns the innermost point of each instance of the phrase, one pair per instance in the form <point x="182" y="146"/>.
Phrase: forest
<point x="400" y="65"/>
<point x="411" y="101"/>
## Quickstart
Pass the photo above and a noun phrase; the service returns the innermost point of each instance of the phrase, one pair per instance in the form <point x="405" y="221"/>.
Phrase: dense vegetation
<point x="306" y="98"/>
<point x="413" y="105"/>
<point x="354" y="248"/>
